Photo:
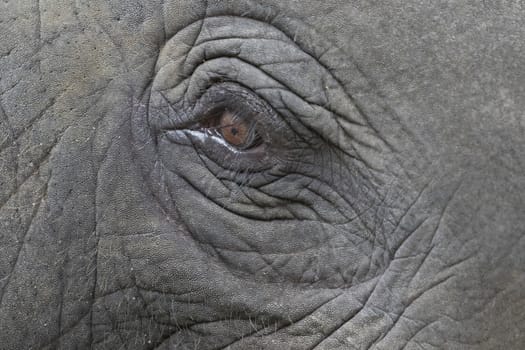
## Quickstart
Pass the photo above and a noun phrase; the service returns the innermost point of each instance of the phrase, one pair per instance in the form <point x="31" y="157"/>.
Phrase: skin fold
<point x="379" y="204"/>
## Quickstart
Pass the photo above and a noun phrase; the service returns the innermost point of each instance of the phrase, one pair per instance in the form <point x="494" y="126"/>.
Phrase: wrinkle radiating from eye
<point x="315" y="119"/>
<point x="220" y="60"/>
<point x="204" y="110"/>
<point x="211" y="48"/>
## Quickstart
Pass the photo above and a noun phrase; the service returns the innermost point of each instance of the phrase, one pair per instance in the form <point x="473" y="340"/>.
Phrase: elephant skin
<point x="378" y="201"/>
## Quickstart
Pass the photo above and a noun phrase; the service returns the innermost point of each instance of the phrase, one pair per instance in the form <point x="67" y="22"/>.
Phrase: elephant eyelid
<point x="229" y="112"/>
<point x="232" y="130"/>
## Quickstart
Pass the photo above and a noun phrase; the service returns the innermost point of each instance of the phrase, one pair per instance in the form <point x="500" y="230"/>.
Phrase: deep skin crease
<point x="383" y="207"/>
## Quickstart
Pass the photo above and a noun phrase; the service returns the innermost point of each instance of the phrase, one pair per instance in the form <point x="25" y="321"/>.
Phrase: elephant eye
<point x="229" y="126"/>
<point x="237" y="130"/>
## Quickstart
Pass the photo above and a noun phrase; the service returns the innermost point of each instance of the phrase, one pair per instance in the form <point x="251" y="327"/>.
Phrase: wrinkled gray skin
<point x="389" y="212"/>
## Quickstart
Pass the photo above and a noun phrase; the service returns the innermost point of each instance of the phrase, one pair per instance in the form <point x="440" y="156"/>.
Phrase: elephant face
<point x="286" y="175"/>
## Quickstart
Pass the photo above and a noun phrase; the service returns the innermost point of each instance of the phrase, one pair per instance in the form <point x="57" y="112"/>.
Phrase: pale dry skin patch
<point x="400" y="226"/>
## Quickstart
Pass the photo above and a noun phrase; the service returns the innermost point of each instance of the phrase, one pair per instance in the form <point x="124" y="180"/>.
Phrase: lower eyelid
<point x="213" y="149"/>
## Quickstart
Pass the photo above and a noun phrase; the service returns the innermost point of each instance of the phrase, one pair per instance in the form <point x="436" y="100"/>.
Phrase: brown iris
<point x="234" y="130"/>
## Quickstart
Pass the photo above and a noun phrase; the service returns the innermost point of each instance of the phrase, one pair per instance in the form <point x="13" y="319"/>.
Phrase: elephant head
<point x="261" y="175"/>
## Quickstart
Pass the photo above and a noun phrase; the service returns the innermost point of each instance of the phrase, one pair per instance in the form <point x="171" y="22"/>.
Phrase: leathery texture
<point x="118" y="238"/>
